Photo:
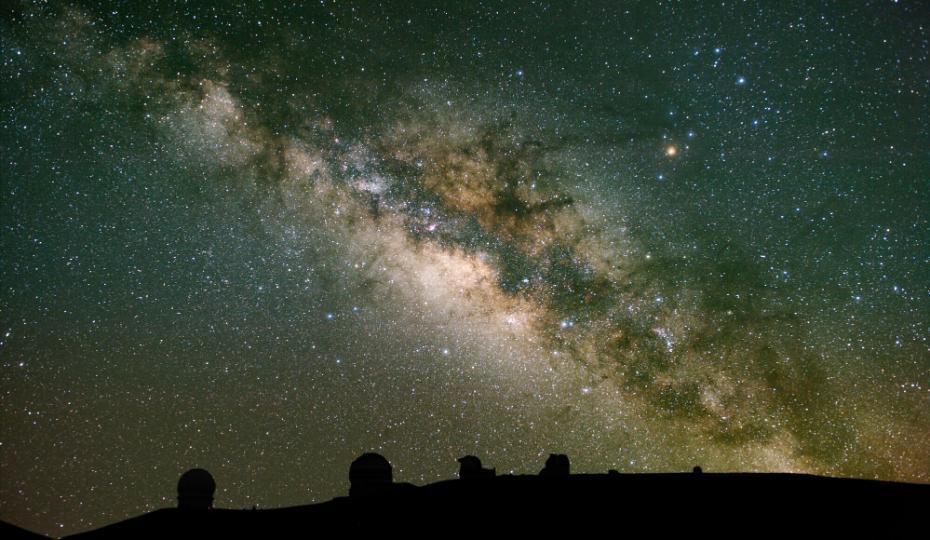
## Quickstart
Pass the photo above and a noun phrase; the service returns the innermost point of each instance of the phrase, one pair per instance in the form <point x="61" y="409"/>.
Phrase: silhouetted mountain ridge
<point x="553" y="502"/>
<point x="566" y="503"/>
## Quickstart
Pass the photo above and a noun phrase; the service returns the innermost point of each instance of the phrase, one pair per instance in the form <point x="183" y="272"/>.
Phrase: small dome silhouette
<point x="470" y="468"/>
<point x="556" y="465"/>
<point x="470" y="461"/>
<point x="369" y="474"/>
<point x="195" y="489"/>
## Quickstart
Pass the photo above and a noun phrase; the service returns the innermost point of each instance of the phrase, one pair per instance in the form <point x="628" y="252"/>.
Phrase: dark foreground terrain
<point x="618" y="503"/>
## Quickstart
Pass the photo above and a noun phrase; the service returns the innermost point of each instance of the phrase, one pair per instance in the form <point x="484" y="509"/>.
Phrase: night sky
<point x="264" y="239"/>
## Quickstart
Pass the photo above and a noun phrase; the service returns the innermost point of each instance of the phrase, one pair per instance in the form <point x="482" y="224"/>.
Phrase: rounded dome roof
<point x="370" y="462"/>
<point x="196" y="481"/>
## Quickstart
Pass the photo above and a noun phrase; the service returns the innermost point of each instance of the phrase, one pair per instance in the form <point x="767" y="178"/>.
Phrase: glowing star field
<point x="264" y="239"/>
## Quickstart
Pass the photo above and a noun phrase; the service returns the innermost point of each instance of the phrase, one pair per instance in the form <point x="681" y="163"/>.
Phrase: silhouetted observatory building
<point x="370" y="474"/>
<point x="195" y="490"/>
<point x="555" y="502"/>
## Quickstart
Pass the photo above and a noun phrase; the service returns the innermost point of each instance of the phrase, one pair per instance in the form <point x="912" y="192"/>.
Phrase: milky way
<point x="264" y="240"/>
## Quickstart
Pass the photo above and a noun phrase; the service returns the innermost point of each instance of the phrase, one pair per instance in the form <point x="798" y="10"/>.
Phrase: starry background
<point x="264" y="239"/>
